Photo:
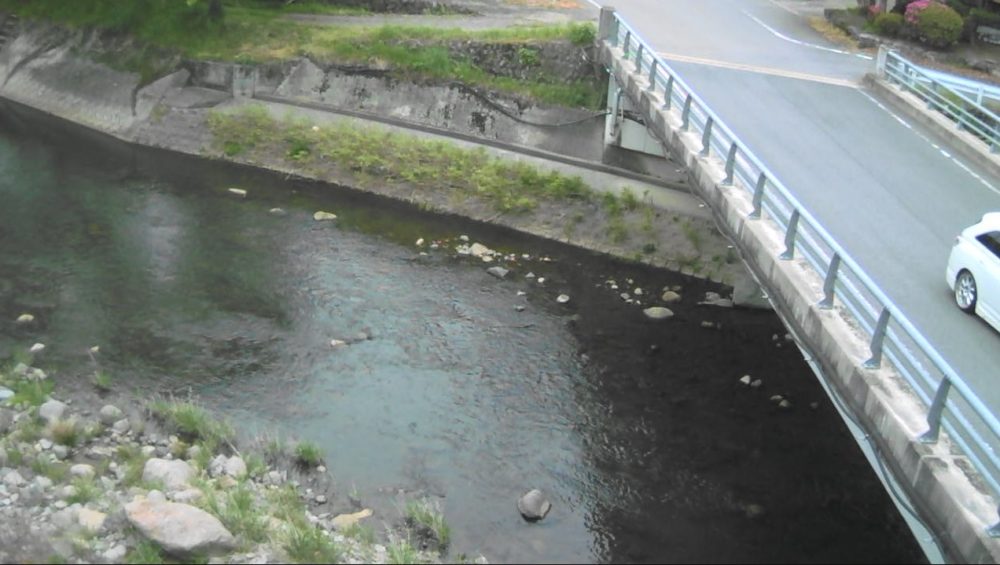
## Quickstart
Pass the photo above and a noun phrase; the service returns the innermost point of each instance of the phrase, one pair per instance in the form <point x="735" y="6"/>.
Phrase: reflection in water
<point x="637" y="432"/>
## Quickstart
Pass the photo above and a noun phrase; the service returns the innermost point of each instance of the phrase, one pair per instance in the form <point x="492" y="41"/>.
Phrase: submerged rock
<point x="25" y="319"/>
<point x="324" y="216"/>
<point x="533" y="505"/>
<point x="498" y="272"/>
<point x="238" y="192"/>
<point x="658" y="313"/>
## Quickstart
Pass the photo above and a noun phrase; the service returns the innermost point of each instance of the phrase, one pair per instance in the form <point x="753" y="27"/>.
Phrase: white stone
<point x="175" y="475"/>
<point x="148" y="450"/>
<point x="320" y="499"/>
<point x="121" y="426"/>
<point x="562" y="298"/>
<point x="756" y="383"/>
<point x="529" y="276"/>
<point x="480" y="250"/>
<point x="37" y="348"/>
<point x="91" y="520"/>
<point x="777" y="398"/>
<point x="180" y="529"/>
<point x="95" y="349"/>
<point x="110" y="414"/>
<point x="541" y="280"/>
<point x="115" y="554"/>
<point x="637" y="291"/>
<point x="45" y="444"/>
<point x="658" y="313"/>
<point x="82" y="470"/>
<point x="745" y="379"/>
<point x="420" y="242"/>
<point x="670" y="296"/>
<point x="321" y="469"/>
<point x="51" y="411"/>
<point x="324" y="216"/>
<point x="5" y="393"/>
<point x="25" y="319"/>
<point x="337" y="343"/>
<point x="238" y="192"/>
<point x="464" y="238"/>
<point x="236" y="467"/>
<point x="43" y="483"/>
<point x="785" y="404"/>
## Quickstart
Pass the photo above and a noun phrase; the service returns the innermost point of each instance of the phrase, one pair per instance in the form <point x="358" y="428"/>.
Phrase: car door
<point x="989" y="279"/>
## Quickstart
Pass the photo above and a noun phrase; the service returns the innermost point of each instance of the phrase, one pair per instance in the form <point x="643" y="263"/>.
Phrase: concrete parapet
<point x="940" y="481"/>
<point x="962" y="142"/>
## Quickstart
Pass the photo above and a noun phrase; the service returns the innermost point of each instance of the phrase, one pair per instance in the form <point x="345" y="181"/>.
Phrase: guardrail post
<point x="730" y="165"/>
<point x="758" y="196"/>
<point x="934" y="414"/>
<point x="877" y="338"/>
<point x="639" y="50"/>
<point x="706" y="137"/>
<point x="883" y="53"/>
<point x="652" y="75"/>
<point x="830" y="283"/>
<point x="668" y="91"/>
<point x="686" y="115"/>
<point x="793" y="227"/>
<point x="628" y="44"/>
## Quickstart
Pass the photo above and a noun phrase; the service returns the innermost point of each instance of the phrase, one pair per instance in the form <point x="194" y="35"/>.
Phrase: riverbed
<point x="454" y="385"/>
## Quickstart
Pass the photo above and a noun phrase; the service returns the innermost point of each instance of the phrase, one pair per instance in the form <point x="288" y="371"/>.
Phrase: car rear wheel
<point x="966" y="292"/>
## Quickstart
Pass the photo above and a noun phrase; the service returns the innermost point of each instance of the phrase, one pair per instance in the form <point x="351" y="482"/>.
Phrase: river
<point x="465" y="392"/>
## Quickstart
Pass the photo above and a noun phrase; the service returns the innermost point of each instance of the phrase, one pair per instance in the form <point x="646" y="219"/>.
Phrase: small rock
<point x="519" y="308"/>
<point x="670" y="296"/>
<point x="344" y="521"/>
<point x="91" y="520"/>
<point x="658" y="313"/>
<point x="274" y="478"/>
<point x="25" y="319"/>
<point x="37" y="348"/>
<point x="814" y="405"/>
<point x="187" y="496"/>
<point x="277" y="212"/>
<point x="235" y="467"/>
<point x="707" y="324"/>
<point x="637" y="291"/>
<point x="529" y="276"/>
<point x="121" y="426"/>
<point x="337" y="343"/>
<point x="148" y="450"/>
<point x="420" y="242"/>
<point x="115" y="554"/>
<point x="777" y="398"/>
<point x="745" y="379"/>
<point x="110" y="414"/>
<point x="321" y="469"/>
<point x="320" y="499"/>
<point x="42" y="483"/>
<point x="522" y="293"/>
<point x="95" y="349"/>
<point x="464" y="238"/>
<point x="785" y="404"/>
<point x="324" y="216"/>
<point x="533" y="505"/>
<point x="82" y="470"/>
<point x="756" y="383"/>
<point x="238" y="192"/>
<point x="498" y="272"/>
<point x="540" y="280"/>
<point x="562" y="298"/>
<point x="21" y="370"/>
<point x="193" y="452"/>
<point x="52" y="411"/>
<point x="5" y="393"/>
<point x="175" y="474"/>
<point x="45" y="444"/>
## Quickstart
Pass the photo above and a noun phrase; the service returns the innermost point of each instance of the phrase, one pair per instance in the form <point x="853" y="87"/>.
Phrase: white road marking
<point x="784" y="37"/>
<point x="947" y="155"/>
<point x="758" y="69"/>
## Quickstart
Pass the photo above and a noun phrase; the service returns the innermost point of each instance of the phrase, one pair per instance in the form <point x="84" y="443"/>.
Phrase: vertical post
<point x="628" y="44"/>
<point x="686" y="115"/>
<point x="639" y="50"/>
<point x="668" y="91"/>
<point x="793" y="227"/>
<point x="934" y="414"/>
<point x="877" y="338"/>
<point x="730" y="164"/>
<point x="830" y="282"/>
<point x="607" y="27"/>
<point x="883" y="53"/>
<point x="706" y="137"/>
<point x="758" y="196"/>
<point x="652" y="75"/>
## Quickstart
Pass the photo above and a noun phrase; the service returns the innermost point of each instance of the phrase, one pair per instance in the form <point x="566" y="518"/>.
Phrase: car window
<point x="991" y="240"/>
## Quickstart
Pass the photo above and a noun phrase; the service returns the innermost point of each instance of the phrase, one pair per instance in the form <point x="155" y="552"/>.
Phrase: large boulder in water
<point x="533" y="506"/>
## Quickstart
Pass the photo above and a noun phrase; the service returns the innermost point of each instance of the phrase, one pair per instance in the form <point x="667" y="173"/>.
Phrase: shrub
<point x="939" y="25"/>
<point x="308" y="454"/>
<point x="582" y="34"/>
<point x="981" y="17"/>
<point x="888" y="24"/>
<point x="901" y="5"/>
<point x="913" y="10"/>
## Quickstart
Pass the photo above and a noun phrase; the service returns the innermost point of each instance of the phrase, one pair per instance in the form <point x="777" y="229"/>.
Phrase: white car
<point x="974" y="269"/>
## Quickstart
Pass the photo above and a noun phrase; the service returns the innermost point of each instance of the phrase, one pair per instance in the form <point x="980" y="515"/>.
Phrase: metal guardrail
<point x="892" y="337"/>
<point x="944" y="95"/>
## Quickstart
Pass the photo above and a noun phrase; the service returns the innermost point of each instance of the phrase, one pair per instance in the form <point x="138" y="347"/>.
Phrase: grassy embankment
<point x="257" y="31"/>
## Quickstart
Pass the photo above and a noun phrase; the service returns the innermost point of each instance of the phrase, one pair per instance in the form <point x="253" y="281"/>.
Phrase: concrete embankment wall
<point x="941" y="482"/>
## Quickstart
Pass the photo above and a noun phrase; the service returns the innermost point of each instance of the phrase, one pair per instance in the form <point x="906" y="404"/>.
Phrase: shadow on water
<point x="640" y="432"/>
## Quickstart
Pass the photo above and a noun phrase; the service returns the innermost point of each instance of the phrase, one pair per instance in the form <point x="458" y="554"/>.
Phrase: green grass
<point x="362" y="533"/>
<point x="510" y="186"/>
<point x="146" y="552"/>
<point x="66" y="432"/>
<point x="134" y="461"/>
<point x="308" y="454"/>
<point x="33" y="393"/>
<point x="426" y="515"/>
<point x="236" y="509"/>
<point x="192" y="422"/>
<point x="400" y="552"/>
<point x="14" y="457"/>
<point x="102" y="380"/>
<point x="308" y="544"/>
<point x="258" y="32"/>
<point x="54" y="470"/>
<point x="86" y="491"/>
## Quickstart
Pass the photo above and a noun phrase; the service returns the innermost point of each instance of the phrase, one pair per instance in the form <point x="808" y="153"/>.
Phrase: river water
<point x="640" y="433"/>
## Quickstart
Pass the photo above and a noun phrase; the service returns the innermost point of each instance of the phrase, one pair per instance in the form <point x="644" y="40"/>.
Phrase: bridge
<point x="847" y="233"/>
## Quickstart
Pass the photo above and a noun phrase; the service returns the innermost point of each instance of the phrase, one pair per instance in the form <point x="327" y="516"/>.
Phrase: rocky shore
<point x="88" y="483"/>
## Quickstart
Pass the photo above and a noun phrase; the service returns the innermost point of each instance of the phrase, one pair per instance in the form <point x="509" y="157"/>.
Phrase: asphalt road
<point x="889" y="191"/>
